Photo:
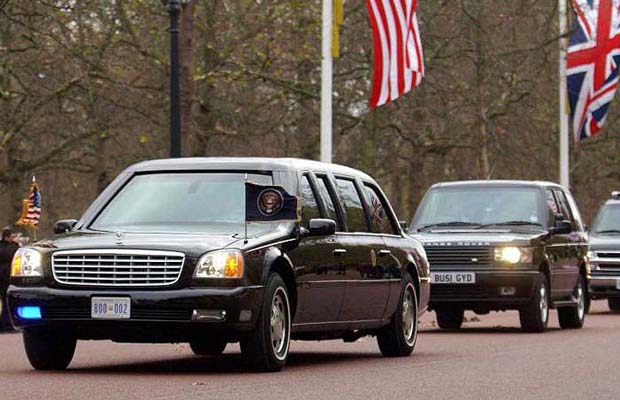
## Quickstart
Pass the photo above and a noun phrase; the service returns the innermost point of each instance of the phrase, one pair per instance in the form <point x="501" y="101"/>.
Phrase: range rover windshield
<point x="607" y="222"/>
<point x="181" y="203"/>
<point x="480" y="207"/>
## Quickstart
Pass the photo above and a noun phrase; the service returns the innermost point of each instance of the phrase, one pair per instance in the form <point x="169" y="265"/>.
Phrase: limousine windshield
<point x="180" y="202"/>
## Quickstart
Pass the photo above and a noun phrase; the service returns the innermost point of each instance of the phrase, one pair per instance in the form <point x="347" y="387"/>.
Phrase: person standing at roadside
<point x="8" y="247"/>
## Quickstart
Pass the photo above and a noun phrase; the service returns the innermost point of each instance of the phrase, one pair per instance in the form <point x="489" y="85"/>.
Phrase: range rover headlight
<point x="27" y="263"/>
<point x="226" y="264"/>
<point x="514" y="255"/>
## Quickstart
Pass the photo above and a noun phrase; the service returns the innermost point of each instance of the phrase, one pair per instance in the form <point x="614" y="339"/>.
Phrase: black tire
<point x="398" y="338"/>
<point x="5" y="321"/>
<point x="614" y="304"/>
<point x="49" y="350"/>
<point x="535" y="316"/>
<point x="588" y="305"/>
<point x="211" y="347"/>
<point x="261" y="349"/>
<point x="573" y="317"/>
<point x="450" y="317"/>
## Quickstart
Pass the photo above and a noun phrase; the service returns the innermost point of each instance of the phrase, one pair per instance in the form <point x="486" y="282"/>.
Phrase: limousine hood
<point x="478" y="238"/>
<point x="192" y="245"/>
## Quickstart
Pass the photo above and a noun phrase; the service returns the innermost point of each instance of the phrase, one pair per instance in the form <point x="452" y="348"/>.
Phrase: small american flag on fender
<point x="399" y="61"/>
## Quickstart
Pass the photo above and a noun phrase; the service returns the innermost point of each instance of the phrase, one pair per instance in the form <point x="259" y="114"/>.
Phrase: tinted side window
<point x="327" y="198"/>
<point x="309" y="206"/>
<point x="356" y="219"/>
<point x="379" y="217"/>
<point x="552" y="205"/>
<point x="564" y="208"/>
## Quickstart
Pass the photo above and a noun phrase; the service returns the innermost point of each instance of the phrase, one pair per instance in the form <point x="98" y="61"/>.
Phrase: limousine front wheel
<point x="398" y="339"/>
<point x="49" y="350"/>
<point x="266" y="348"/>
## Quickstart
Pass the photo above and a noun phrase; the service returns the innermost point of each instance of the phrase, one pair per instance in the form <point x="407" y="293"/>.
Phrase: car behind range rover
<point x="504" y="245"/>
<point x="164" y="254"/>
<point x="605" y="253"/>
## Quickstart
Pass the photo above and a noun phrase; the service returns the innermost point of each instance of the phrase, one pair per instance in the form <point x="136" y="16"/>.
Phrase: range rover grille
<point x="113" y="268"/>
<point x="440" y="256"/>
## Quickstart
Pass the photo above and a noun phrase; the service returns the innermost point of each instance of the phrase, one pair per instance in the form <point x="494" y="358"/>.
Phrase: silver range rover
<point x="605" y="254"/>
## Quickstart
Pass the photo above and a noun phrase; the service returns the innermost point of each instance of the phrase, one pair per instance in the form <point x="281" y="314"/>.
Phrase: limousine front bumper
<point x="156" y="315"/>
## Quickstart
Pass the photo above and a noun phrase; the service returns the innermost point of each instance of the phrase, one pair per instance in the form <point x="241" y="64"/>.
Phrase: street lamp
<point x="174" y="9"/>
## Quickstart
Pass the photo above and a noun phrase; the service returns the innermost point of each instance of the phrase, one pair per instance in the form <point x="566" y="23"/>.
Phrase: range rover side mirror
<point x="403" y="226"/>
<point x="321" y="227"/>
<point x="64" y="226"/>
<point x="563" y="227"/>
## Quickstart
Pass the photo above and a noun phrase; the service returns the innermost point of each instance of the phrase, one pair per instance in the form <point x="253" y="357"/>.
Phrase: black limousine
<point x="504" y="245"/>
<point x="220" y="250"/>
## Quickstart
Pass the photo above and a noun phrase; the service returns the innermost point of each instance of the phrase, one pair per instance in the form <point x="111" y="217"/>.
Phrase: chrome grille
<point x="107" y="268"/>
<point x="446" y="256"/>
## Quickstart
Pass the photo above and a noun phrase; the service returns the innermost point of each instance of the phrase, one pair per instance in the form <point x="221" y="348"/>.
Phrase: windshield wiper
<point x="609" y="231"/>
<point x="511" y="223"/>
<point x="453" y="223"/>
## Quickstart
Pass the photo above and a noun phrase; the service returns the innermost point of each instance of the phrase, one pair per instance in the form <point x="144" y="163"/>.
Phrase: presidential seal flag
<point x="593" y="56"/>
<point x="399" y="60"/>
<point x="269" y="204"/>
<point x="31" y="207"/>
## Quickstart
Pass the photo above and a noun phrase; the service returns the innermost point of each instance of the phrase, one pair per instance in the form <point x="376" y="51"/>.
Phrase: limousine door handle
<point x="384" y="253"/>
<point x="340" y="252"/>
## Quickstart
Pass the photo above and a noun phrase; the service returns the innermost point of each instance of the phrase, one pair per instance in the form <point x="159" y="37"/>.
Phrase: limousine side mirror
<point x="563" y="227"/>
<point x="321" y="227"/>
<point x="64" y="226"/>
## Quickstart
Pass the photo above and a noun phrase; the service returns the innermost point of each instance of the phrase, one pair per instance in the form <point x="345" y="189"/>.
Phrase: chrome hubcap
<point x="409" y="316"/>
<point x="544" y="305"/>
<point x="279" y="324"/>
<point x="581" y="302"/>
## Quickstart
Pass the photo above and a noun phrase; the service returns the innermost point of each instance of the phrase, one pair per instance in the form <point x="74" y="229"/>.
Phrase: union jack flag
<point x="593" y="60"/>
<point x="399" y="61"/>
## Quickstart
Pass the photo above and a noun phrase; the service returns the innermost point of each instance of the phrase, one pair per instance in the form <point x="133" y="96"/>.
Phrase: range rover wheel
<point x="398" y="339"/>
<point x="614" y="304"/>
<point x="535" y="316"/>
<point x="450" y="317"/>
<point x="210" y="347"/>
<point x="573" y="317"/>
<point x="49" y="350"/>
<point x="266" y="348"/>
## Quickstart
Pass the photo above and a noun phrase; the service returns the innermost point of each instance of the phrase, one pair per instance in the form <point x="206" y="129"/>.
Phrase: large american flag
<point x="399" y="61"/>
<point x="593" y="60"/>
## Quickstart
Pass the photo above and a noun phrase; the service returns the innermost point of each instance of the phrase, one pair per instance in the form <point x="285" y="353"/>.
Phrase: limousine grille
<point x="112" y="268"/>
<point x="458" y="256"/>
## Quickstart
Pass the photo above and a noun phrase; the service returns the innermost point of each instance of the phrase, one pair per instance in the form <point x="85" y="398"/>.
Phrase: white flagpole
<point x="327" y="82"/>
<point x="564" y="117"/>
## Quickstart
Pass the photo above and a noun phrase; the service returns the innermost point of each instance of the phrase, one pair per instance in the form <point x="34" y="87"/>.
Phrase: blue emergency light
<point x="29" y="312"/>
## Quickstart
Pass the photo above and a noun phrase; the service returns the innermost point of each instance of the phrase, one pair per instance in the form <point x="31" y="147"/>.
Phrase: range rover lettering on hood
<point x="457" y="244"/>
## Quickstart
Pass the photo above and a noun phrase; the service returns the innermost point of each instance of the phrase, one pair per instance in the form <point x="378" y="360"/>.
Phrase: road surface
<point x="488" y="359"/>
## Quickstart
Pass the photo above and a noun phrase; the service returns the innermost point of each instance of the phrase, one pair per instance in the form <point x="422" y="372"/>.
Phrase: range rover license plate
<point x="110" y="308"/>
<point x="453" y="278"/>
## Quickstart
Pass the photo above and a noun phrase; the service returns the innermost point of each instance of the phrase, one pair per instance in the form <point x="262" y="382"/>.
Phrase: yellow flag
<point x="338" y="21"/>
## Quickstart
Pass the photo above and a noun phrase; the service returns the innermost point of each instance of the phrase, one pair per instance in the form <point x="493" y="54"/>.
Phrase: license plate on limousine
<point x="453" y="278"/>
<point x="110" y="308"/>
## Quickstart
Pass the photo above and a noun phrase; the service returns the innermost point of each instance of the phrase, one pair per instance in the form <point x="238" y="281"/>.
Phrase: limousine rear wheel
<point x="266" y="348"/>
<point x="573" y="317"/>
<point x="398" y="339"/>
<point x="535" y="316"/>
<point x="49" y="350"/>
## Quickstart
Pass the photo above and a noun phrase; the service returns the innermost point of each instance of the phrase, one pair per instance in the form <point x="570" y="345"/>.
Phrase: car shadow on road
<point x="482" y="331"/>
<point x="230" y="363"/>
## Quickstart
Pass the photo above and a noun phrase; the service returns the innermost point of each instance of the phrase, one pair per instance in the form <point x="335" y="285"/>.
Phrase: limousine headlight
<point x="227" y="264"/>
<point x="514" y="255"/>
<point x="27" y="263"/>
